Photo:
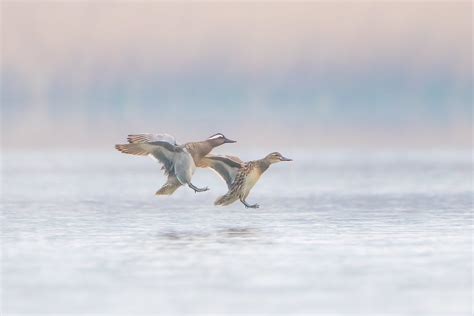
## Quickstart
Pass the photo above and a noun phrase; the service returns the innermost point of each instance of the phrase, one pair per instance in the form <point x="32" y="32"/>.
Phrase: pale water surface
<point x="372" y="233"/>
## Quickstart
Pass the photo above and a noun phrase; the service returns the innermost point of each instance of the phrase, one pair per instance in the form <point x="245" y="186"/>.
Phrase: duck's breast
<point x="184" y="166"/>
<point x="251" y="180"/>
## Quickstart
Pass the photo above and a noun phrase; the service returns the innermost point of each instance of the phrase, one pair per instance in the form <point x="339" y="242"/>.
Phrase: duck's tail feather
<point x="226" y="199"/>
<point x="169" y="187"/>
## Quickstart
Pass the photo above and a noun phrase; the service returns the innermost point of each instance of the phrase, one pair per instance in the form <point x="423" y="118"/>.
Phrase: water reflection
<point x="239" y="232"/>
<point x="242" y="233"/>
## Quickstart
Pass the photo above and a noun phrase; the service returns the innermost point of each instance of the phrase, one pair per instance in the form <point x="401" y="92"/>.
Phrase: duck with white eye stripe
<point x="240" y="176"/>
<point x="179" y="161"/>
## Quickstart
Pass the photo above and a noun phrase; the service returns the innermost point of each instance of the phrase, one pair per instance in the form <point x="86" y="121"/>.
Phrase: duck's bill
<point x="229" y="141"/>
<point x="285" y="159"/>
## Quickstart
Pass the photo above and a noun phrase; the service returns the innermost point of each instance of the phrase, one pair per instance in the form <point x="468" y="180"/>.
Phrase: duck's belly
<point x="250" y="181"/>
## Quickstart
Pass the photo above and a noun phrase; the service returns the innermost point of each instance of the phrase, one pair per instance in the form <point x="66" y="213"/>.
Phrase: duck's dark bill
<point x="229" y="141"/>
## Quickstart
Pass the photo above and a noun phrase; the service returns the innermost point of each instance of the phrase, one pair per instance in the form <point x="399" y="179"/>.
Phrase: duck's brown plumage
<point x="199" y="150"/>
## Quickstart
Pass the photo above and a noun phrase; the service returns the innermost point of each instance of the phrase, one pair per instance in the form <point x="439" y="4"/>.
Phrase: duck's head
<point x="275" y="157"/>
<point x="219" y="139"/>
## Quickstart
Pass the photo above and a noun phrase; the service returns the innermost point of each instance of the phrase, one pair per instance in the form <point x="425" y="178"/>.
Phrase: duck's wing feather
<point x="147" y="138"/>
<point x="176" y="160"/>
<point x="225" y="166"/>
<point x="162" y="151"/>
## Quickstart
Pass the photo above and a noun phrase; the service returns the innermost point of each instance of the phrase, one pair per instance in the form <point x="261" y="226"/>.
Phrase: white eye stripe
<point x="216" y="136"/>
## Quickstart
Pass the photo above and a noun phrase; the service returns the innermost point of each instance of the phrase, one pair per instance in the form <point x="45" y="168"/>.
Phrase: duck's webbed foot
<point x="196" y="189"/>
<point x="249" y="205"/>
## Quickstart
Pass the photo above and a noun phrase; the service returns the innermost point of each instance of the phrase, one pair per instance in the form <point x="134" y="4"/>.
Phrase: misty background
<point x="308" y="75"/>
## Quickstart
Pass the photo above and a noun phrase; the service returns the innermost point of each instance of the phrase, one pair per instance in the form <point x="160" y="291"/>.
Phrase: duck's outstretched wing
<point x="147" y="138"/>
<point x="225" y="166"/>
<point x="162" y="151"/>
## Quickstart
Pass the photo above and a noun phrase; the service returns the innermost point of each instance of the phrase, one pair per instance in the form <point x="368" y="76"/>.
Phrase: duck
<point x="178" y="161"/>
<point x="240" y="176"/>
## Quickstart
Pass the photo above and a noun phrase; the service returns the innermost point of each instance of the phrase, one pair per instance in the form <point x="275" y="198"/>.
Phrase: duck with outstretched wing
<point x="179" y="161"/>
<point x="240" y="176"/>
